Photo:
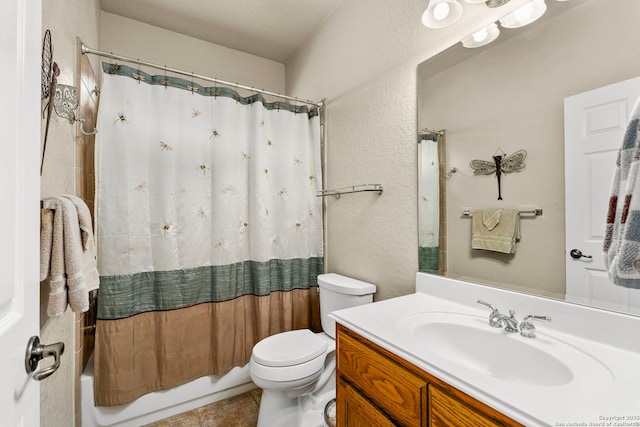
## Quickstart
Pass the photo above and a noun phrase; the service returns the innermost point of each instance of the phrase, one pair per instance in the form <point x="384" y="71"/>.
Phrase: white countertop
<point x="609" y="341"/>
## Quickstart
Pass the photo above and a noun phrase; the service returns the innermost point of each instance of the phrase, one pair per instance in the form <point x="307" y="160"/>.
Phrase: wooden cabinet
<point x="377" y="388"/>
<point x="359" y="411"/>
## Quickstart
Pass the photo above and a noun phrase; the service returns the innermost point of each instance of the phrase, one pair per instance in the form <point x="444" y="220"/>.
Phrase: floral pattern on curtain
<point x="203" y="197"/>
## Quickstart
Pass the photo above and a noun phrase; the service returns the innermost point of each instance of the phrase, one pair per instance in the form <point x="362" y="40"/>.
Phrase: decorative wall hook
<point x="95" y="130"/>
<point x="65" y="103"/>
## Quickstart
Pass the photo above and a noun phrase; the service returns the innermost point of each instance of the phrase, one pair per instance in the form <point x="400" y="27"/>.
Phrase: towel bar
<point x="535" y="212"/>
<point x="352" y="189"/>
<point x="46" y="204"/>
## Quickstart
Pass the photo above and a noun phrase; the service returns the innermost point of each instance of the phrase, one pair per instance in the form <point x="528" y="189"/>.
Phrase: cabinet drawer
<point x="358" y="411"/>
<point x="446" y="411"/>
<point x="394" y="389"/>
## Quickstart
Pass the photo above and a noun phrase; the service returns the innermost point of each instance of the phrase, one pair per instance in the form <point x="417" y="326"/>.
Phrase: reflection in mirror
<point x="431" y="195"/>
<point x="510" y="95"/>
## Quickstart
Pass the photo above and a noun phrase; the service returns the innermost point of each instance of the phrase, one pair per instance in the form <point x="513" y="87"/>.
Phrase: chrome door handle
<point x="577" y="254"/>
<point x="36" y="352"/>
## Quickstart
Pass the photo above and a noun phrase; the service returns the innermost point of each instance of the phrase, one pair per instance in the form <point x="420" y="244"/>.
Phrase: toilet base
<point x="279" y="410"/>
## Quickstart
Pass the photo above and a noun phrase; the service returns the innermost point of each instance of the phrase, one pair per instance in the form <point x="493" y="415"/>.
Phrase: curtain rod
<point x="87" y="50"/>
<point x="440" y="132"/>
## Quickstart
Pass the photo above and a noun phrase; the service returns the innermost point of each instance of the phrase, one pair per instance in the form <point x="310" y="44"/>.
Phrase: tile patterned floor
<point x="237" y="411"/>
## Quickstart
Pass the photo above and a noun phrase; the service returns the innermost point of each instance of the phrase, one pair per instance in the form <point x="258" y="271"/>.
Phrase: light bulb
<point x="524" y="12"/>
<point x="480" y="36"/>
<point x="441" y="11"/>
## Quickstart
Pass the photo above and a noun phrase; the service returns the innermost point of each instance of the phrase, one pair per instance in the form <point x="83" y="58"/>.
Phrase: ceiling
<point x="272" y="29"/>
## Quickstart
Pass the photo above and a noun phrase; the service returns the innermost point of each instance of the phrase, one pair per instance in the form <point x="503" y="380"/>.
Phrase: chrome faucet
<point x="499" y="320"/>
<point x="510" y="322"/>
<point x="527" y="329"/>
<point x="494" y="313"/>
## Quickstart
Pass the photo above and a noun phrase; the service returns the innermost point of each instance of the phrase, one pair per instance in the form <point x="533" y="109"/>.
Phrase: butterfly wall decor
<point x="501" y="163"/>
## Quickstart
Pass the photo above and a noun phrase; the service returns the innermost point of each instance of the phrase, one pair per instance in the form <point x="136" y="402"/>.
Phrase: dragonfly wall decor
<point x="501" y="163"/>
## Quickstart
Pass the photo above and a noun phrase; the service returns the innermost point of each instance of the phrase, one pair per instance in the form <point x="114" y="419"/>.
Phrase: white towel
<point x="622" y="236"/>
<point x="72" y="270"/>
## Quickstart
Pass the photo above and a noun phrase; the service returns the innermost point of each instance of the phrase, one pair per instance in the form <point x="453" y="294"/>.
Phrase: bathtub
<point x="158" y="405"/>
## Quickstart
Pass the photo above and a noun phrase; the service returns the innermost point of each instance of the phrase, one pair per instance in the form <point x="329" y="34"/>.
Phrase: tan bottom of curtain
<point x="159" y="350"/>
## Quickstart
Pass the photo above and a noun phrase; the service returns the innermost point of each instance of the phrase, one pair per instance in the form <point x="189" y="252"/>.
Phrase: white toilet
<point x="296" y="369"/>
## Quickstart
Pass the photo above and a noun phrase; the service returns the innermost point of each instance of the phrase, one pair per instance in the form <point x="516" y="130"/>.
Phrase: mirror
<point x="509" y="95"/>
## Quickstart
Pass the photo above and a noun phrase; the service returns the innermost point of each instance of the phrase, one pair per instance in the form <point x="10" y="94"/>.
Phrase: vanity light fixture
<point x="482" y="37"/>
<point x="524" y="15"/>
<point x="441" y="13"/>
<point x="496" y="3"/>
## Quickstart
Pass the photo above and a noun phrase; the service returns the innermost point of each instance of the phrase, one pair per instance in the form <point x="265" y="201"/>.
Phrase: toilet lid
<point x="289" y="348"/>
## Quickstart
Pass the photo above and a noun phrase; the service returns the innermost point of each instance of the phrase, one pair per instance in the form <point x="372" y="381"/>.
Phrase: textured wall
<point x="134" y="39"/>
<point x="66" y="19"/>
<point x="363" y="61"/>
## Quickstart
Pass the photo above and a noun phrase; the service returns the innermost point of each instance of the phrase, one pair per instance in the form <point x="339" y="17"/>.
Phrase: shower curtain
<point x="208" y="226"/>
<point x="429" y="204"/>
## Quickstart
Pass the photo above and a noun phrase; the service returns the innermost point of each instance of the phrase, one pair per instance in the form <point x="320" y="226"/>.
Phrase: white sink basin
<point x="469" y="343"/>
<point x="581" y="366"/>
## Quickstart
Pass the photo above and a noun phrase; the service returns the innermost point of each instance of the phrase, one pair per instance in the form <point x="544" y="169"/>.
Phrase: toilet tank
<point x="338" y="292"/>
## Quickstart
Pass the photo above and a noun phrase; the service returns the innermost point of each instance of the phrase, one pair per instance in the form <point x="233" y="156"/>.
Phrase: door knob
<point x="36" y="352"/>
<point x="577" y="254"/>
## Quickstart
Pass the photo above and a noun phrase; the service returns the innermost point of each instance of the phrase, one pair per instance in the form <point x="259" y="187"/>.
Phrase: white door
<point x="595" y="123"/>
<point x="20" y="46"/>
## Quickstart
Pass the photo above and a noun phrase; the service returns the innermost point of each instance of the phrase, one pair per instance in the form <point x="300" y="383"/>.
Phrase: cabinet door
<point x="446" y="410"/>
<point x="354" y="410"/>
<point x="394" y="389"/>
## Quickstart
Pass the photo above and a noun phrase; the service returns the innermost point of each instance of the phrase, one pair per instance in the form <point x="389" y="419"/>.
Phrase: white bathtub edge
<point x="159" y="405"/>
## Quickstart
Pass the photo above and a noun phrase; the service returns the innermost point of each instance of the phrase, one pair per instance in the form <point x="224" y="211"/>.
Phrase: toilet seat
<point x="289" y="356"/>
<point x="289" y="348"/>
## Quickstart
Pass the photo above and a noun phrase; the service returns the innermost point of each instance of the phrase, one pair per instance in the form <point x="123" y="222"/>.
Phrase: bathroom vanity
<point x="376" y="387"/>
<point x="431" y="358"/>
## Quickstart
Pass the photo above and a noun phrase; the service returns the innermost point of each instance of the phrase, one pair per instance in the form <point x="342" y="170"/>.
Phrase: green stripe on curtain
<point x="126" y="295"/>
<point x="427" y="137"/>
<point x="428" y="259"/>
<point x="141" y="76"/>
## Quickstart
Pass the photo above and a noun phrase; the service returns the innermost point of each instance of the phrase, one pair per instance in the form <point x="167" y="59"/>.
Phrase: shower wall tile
<point x="85" y="189"/>
<point x="89" y="81"/>
<point x="442" y="169"/>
